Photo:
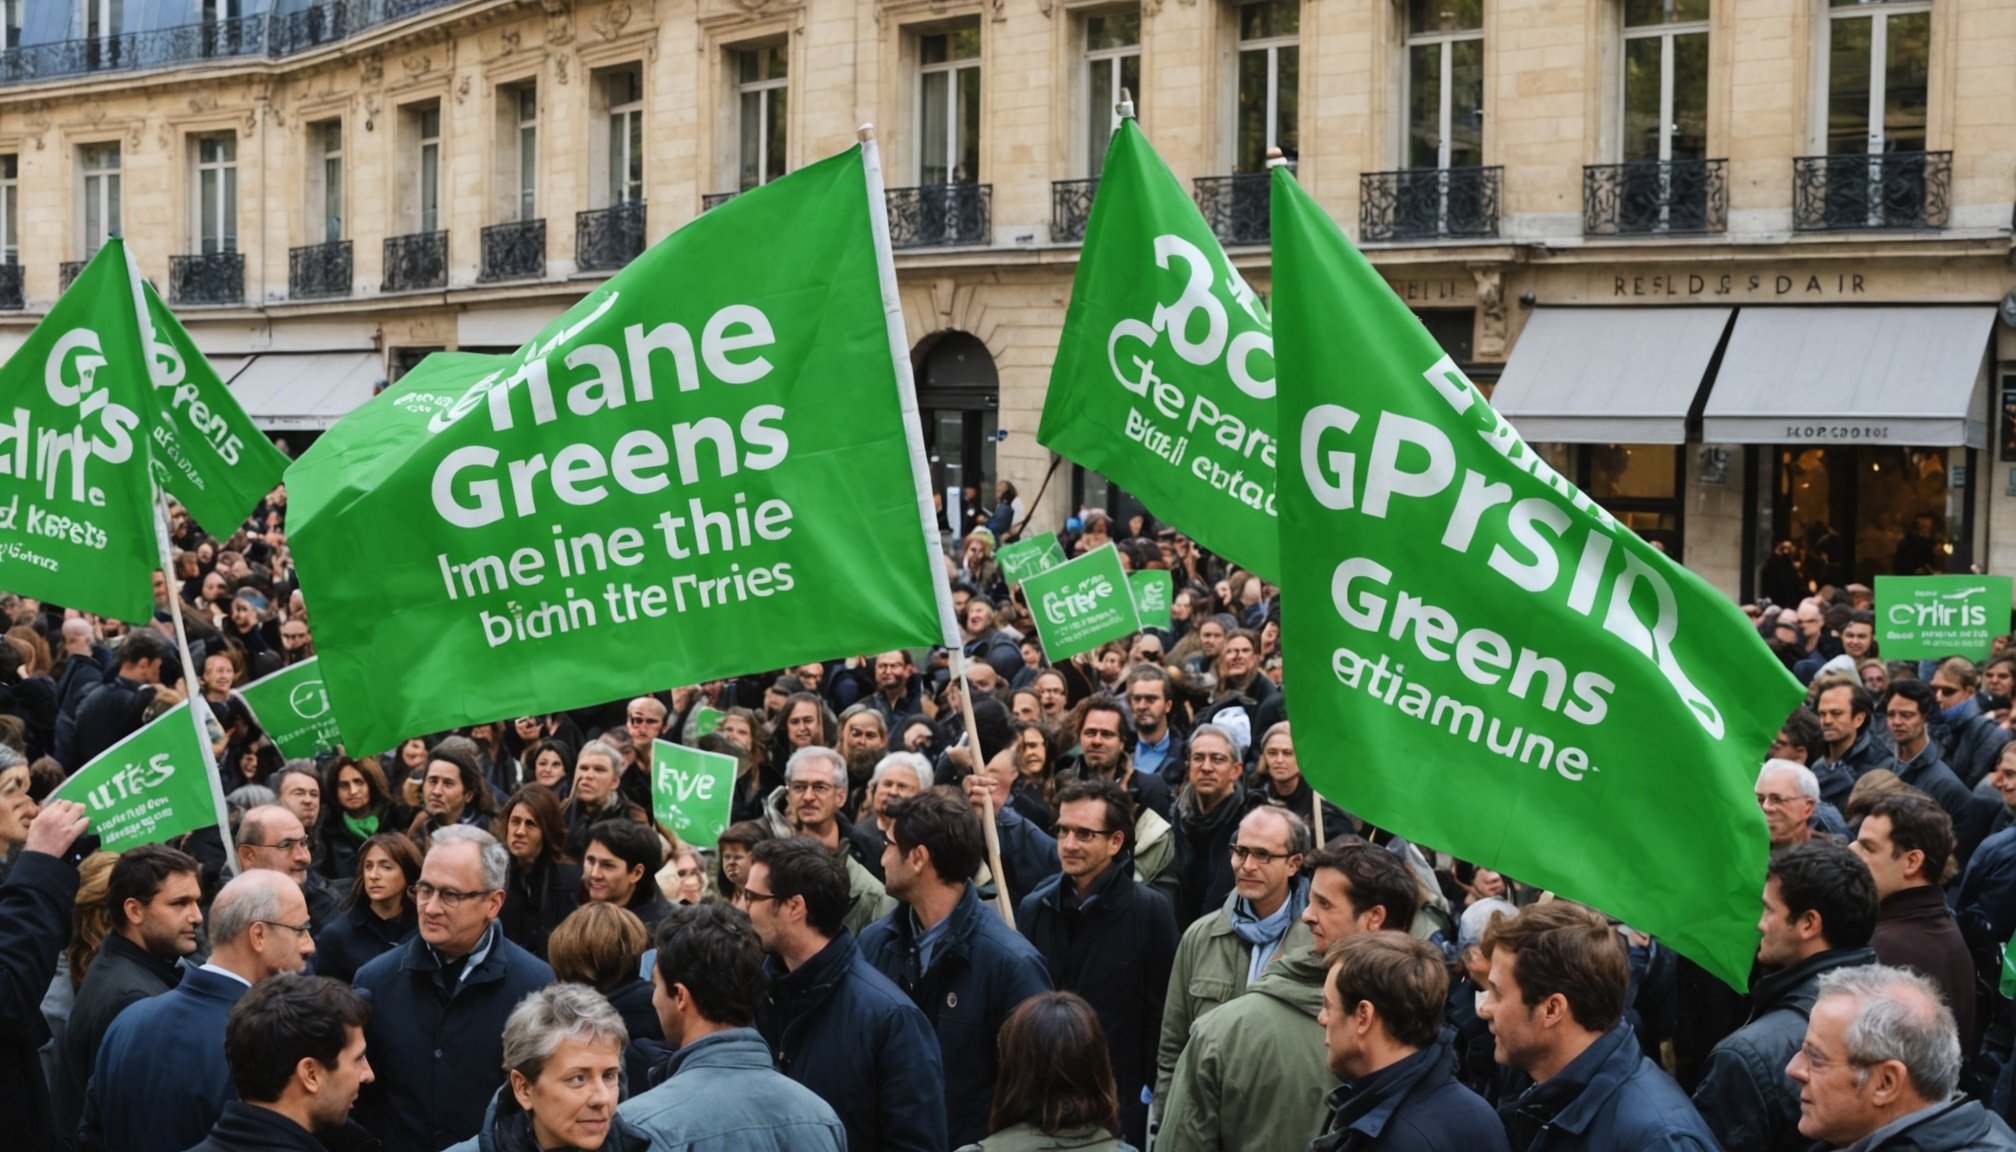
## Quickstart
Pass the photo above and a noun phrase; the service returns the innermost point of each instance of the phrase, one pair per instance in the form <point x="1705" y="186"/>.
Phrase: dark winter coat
<point x="357" y="937"/>
<point x="1607" y="1099"/>
<point x="632" y="1001"/>
<point x="1837" y="777"/>
<point x="1414" y="1105"/>
<point x="35" y="909"/>
<point x="536" y="901"/>
<point x="122" y="974"/>
<point x="1960" y="1125"/>
<point x="1204" y="851"/>
<point x="1984" y="905"/>
<point x="1972" y="815"/>
<point x="1970" y="745"/>
<point x="160" y="1081"/>
<point x="981" y="970"/>
<point x="506" y="1128"/>
<point x="1028" y="853"/>
<point x="1914" y="929"/>
<point x="249" y="1128"/>
<point x="1336" y="821"/>
<point x="106" y="715"/>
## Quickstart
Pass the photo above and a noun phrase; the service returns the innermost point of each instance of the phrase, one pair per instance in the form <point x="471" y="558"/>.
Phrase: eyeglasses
<point x="755" y="897"/>
<point x="1242" y="853"/>
<point x="1768" y="800"/>
<point x="1947" y="690"/>
<point x="450" y="898"/>
<point x="1067" y="832"/>
<point x="815" y="787"/>
<point x="297" y="929"/>
<point x="287" y="845"/>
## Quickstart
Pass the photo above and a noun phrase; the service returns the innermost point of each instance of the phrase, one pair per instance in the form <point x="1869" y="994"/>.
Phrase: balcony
<point x="319" y="271"/>
<point x="606" y="239"/>
<point x="1863" y="192"/>
<point x="1071" y="209"/>
<point x="10" y="287"/>
<point x="68" y="272"/>
<point x="1429" y="204"/>
<point x="207" y="278"/>
<point x="940" y="215"/>
<point x="416" y="262"/>
<point x="133" y="51"/>
<point x="1655" y="198"/>
<point x="1235" y="206"/>
<point x="515" y="251"/>
<point x="714" y="200"/>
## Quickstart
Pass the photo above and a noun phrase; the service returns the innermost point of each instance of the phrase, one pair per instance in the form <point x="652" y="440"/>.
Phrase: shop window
<point x="1852" y="513"/>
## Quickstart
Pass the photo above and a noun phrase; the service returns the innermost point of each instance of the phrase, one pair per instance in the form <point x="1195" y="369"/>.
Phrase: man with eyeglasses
<point x="272" y="837"/>
<point x="1910" y="706"/>
<point x="160" y="1081"/>
<point x="809" y="806"/>
<point x="441" y="998"/>
<point x="1969" y="740"/>
<point x="1105" y="936"/>
<point x="1788" y="793"/>
<point x="644" y="720"/>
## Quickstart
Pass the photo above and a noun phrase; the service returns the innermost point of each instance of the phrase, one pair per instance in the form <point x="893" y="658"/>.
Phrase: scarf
<point x="1968" y="708"/>
<point x="1266" y="933"/>
<point x="363" y="827"/>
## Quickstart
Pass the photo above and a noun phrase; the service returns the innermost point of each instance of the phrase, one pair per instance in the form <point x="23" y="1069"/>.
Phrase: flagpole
<point x="913" y="428"/>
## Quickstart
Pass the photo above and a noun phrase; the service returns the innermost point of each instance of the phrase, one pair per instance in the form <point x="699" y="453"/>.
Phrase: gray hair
<point x="1802" y="777"/>
<point x="496" y="861"/>
<point x="910" y="760"/>
<point x="1899" y="1015"/>
<point x="555" y="1013"/>
<point x="251" y="896"/>
<point x="1300" y="839"/>
<point x="863" y="708"/>
<point x="813" y="753"/>
<point x="1231" y="744"/>
<point x="603" y="749"/>
<point x="246" y="797"/>
<point x="10" y="757"/>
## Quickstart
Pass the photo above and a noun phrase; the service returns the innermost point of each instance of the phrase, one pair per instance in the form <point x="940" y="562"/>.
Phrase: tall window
<point x="1270" y="69"/>
<point x="217" y="194"/>
<point x="625" y="88"/>
<point x="10" y="209"/>
<point x="763" y="88"/>
<point x="10" y="23"/>
<point x="1445" y="83"/>
<point x="429" y="168"/>
<point x="331" y="168"/>
<point x="102" y="18"/>
<point x="1112" y="64"/>
<point x="948" y="113"/>
<point x="1665" y="80"/>
<point x="526" y="141"/>
<point x="99" y="166"/>
<point x="1878" y="70"/>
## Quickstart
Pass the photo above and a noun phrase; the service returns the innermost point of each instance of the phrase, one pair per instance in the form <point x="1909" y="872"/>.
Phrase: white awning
<point x="1608" y="375"/>
<point x="1906" y="376"/>
<point x="285" y="391"/>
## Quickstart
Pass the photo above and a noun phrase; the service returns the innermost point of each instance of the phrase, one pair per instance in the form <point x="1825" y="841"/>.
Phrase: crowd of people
<point x="484" y="940"/>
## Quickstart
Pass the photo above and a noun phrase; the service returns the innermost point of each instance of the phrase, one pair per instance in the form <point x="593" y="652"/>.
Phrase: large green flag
<point x="1165" y="343"/>
<point x="76" y="500"/>
<point x="706" y="466"/>
<point x="207" y="452"/>
<point x="292" y="705"/>
<point x="1485" y="661"/>
<point x="150" y="787"/>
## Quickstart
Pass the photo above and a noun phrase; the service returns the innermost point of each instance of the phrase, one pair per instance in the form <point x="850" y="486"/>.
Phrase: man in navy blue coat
<point x="160" y="1080"/>
<point x="35" y="910"/>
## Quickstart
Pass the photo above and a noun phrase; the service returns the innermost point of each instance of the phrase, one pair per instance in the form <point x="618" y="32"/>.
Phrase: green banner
<point x="1485" y="661"/>
<point x="76" y="502"/>
<point x="1025" y="558"/>
<point x="207" y="452"/>
<point x="1151" y="591"/>
<point x="1081" y="604"/>
<point x="704" y="467"/>
<point x="1932" y="617"/>
<point x="691" y="791"/>
<point x="150" y="787"/>
<point x="293" y="707"/>
<point x="1165" y="343"/>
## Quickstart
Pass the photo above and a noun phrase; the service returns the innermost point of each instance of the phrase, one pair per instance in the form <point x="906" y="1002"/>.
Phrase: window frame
<point x="1665" y="33"/>
<point x="524" y="137"/>
<point x="618" y="188"/>
<point x="427" y="160"/>
<point x="1879" y="14"/>
<point x="951" y="67"/>
<point x="110" y="193"/>
<point x="1446" y="97"/>
<point x="766" y="114"/>
<point x="1104" y="103"/>
<point x="1272" y="46"/>
<point x="10" y="208"/>
<point x="219" y="209"/>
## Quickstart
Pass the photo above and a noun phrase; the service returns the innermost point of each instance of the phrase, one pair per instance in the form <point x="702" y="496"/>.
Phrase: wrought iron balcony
<point x="940" y="215"/>
<point x="1858" y="191"/>
<point x="319" y="271"/>
<point x="714" y="200"/>
<point x="10" y="287"/>
<point x="1655" y="197"/>
<point x="207" y="278"/>
<point x="1071" y="209"/>
<point x="1235" y="206"/>
<point x="68" y="272"/>
<point x="1429" y="204"/>
<point x="132" y="51"/>
<point x="514" y="251"/>
<point x="606" y="239"/>
<point x="415" y="262"/>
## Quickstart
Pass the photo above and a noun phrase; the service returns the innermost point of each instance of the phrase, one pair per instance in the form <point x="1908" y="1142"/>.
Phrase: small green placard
<point x="691" y="791"/>
<point x="293" y="708"/>
<point x="1928" y="617"/>
<point x="705" y="720"/>
<point x="1026" y="558"/>
<point x="1151" y="597"/>
<point x="1082" y="604"/>
<point x="150" y="787"/>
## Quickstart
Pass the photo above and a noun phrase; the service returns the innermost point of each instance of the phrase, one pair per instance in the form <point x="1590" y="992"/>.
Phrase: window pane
<point x="968" y="171"/>
<point x="1251" y="154"/>
<point x="617" y="139"/>
<point x="1270" y="18"/>
<point x="229" y="223"/>
<point x="1641" y="97"/>
<point x="1905" y="78"/>
<point x="528" y="103"/>
<point x="1690" y="96"/>
<point x="634" y="189"/>
<point x="430" y="189"/>
<point x="1466" y="103"/>
<point x="936" y="164"/>
<point x="1627" y="471"/>
<point x="1424" y="105"/>
<point x="332" y="136"/>
<point x="777" y="124"/>
<point x="1428" y="16"/>
<point x="1098" y="110"/>
<point x="1848" y="86"/>
<point x="528" y="172"/>
<point x="931" y="49"/>
<point x="752" y="139"/>
<point x="1647" y="13"/>
<point x="747" y="68"/>
<point x="206" y="211"/>
<point x="430" y="122"/>
<point x="965" y="43"/>
<point x="1130" y="79"/>
<point x="1113" y="30"/>
<point x="1287" y="69"/>
<point x="112" y="223"/>
<point x="332" y="199"/>
<point x="94" y="224"/>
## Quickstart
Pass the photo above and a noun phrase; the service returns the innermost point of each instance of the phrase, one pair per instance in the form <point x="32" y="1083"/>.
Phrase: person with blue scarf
<point x="1969" y="741"/>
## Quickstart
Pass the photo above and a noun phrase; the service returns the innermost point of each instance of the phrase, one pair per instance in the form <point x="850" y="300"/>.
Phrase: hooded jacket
<point x="720" y="1094"/>
<point x="1210" y="968"/>
<point x="1611" y="1097"/>
<point x="1958" y="1125"/>
<point x="1256" y="1071"/>
<point x="1413" y="1105"/>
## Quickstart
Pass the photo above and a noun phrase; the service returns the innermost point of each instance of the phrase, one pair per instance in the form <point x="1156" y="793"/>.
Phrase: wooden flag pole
<point x="1002" y="903"/>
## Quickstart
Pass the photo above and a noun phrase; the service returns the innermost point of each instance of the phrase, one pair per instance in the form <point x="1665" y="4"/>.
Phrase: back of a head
<point x="1405" y="979"/>
<point x="1826" y="878"/>
<point x="1055" y="1072"/>
<point x="1565" y="948"/>
<point x="946" y="827"/>
<point x="805" y="869"/>
<point x="598" y="944"/>
<point x="1378" y="879"/>
<point x="713" y="952"/>
<point x="283" y="1021"/>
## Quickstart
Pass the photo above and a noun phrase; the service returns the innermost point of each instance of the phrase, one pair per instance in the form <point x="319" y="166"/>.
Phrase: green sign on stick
<point x="691" y="791"/>
<point x="1081" y="604"/>
<point x="705" y="720"/>
<point x="293" y="708"/>
<point x="150" y="787"/>
<point x="1929" y="617"/>
<point x="1151" y="597"/>
<point x="1025" y="558"/>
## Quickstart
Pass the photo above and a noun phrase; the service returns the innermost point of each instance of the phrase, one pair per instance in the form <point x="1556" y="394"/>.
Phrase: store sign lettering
<point x="1797" y="433"/>
<point x="1431" y="291"/>
<point x="1738" y="284"/>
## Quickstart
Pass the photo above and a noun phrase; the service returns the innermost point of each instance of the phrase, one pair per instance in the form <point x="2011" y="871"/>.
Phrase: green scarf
<point x="362" y="827"/>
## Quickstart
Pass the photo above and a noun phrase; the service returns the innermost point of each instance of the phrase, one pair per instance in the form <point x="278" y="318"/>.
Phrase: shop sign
<point x="1932" y="617"/>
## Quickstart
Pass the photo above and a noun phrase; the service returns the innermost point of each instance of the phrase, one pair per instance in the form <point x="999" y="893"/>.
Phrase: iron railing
<point x="10" y="287"/>
<point x="1655" y="197"/>
<point x="606" y="239"/>
<point x="713" y="200"/>
<point x="1871" y="191"/>
<point x="320" y="270"/>
<point x="67" y="273"/>
<point x="514" y="251"/>
<point x="1071" y="209"/>
<point x="940" y="215"/>
<point x="207" y="278"/>
<point x="1235" y="206"/>
<point x="416" y="261"/>
<point x="1429" y="204"/>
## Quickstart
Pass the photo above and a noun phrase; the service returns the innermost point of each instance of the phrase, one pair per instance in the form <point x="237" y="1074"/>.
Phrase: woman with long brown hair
<point x="378" y="913"/>
<point x="541" y="887"/>
<point x="1055" y="1088"/>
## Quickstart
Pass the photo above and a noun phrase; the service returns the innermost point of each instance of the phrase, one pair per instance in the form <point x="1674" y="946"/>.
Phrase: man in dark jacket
<point x="833" y="1023"/>
<point x="1906" y="840"/>
<point x="116" y="708"/>
<point x="1853" y="750"/>
<point x="1910" y="706"/>
<point x="295" y="1049"/>
<point x="440" y="1000"/>
<point x="1106" y="937"/>
<point x="1819" y="911"/>
<point x="964" y="968"/>
<point x="1382" y="1024"/>
<point x="1969" y="740"/>
<point x="1104" y="736"/>
<point x="35" y="913"/>
<point x="1208" y="811"/>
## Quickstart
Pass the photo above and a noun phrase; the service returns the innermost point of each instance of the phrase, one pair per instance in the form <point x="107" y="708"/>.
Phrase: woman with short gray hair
<point x="563" y="1061"/>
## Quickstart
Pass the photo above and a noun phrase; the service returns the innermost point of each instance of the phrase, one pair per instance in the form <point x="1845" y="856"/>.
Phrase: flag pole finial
<point x="1275" y="158"/>
<point x="865" y="133"/>
<point x="1125" y="109"/>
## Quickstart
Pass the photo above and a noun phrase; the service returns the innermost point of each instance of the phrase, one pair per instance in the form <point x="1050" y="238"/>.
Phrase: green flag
<point x="150" y="787"/>
<point x="708" y="465"/>
<point x="293" y="707"/>
<point x="1933" y="617"/>
<point x="206" y="450"/>
<point x="1151" y="591"/>
<point x="1081" y="604"/>
<point x="704" y="720"/>
<point x="76" y="502"/>
<point x="1025" y="558"/>
<point x="1485" y="661"/>
<point x="1165" y="343"/>
<point x="691" y="791"/>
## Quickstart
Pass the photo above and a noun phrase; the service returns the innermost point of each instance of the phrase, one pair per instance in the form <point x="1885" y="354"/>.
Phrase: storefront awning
<point x="1904" y="376"/>
<point x="1608" y="375"/>
<point x="286" y="391"/>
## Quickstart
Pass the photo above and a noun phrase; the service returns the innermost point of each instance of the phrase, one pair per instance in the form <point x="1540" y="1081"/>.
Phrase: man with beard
<point x="898" y="693"/>
<point x="864" y="738"/>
